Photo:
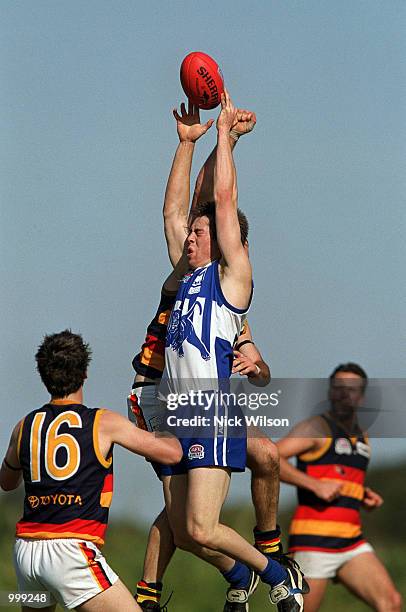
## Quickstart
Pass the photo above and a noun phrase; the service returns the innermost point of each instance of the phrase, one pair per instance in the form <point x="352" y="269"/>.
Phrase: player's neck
<point x="349" y="422"/>
<point x="72" y="398"/>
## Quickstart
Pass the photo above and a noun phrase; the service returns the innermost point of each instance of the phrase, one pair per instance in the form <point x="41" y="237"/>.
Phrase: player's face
<point x="346" y="393"/>
<point x="201" y="247"/>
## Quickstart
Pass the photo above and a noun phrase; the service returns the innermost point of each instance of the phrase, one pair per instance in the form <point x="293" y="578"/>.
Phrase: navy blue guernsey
<point x="68" y="482"/>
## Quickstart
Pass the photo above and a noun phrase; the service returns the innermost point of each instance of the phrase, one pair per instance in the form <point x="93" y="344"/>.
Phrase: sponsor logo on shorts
<point x="196" y="451"/>
<point x="343" y="446"/>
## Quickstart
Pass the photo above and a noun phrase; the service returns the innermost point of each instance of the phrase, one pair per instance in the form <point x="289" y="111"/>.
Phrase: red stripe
<point x="275" y="541"/>
<point x="346" y="515"/>
<point x="108" y="484"/>
<point x="329" y="550"/>
<point x="77" y="526"/>
<point x="339" y="472"/>
<point x="96" y="567"/>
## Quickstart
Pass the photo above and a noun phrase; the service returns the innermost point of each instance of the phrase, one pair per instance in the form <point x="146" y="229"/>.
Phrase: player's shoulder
<point x="313" y="427"/>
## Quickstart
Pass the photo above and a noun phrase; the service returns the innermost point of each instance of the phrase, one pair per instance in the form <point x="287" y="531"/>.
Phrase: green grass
<point x="196" y="585"/>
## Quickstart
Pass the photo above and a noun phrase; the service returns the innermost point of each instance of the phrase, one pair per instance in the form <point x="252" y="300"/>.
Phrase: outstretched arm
<point x="235" y="266"/>
<point x="177" y="194"/>
<point x="114" y="428"/>
<point x="204" y="187"/>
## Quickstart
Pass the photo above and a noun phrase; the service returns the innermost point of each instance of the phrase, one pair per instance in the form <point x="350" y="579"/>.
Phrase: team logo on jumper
<point x="196" y="451"/>
<point x="197" y="283"/>
<point x="181" y="328"/>
<point x="343" y="446"/>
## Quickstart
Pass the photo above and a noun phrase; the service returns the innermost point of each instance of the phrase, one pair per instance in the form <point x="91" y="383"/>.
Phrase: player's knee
<point x="201" y="534"/>
<point x="396" y="601"/>
<point x="161" y="520"/>
<point x="263" y="457"/>
<point x="390" y="601"/>
<point x="182" y="541"/>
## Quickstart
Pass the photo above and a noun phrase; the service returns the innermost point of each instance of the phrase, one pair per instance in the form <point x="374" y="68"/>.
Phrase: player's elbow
<point x="172" y="452"/>
<point x="223" y="196"/>
<point x="8" y="485"/>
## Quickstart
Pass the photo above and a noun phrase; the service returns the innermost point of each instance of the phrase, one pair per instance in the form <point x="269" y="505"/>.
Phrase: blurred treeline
<point x="197" y="586"/>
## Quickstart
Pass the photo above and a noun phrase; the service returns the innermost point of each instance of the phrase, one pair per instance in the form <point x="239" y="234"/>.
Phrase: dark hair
<point x="62" y="361"/>
<point x="353" y="368"/>
<point x="208" y="209"/>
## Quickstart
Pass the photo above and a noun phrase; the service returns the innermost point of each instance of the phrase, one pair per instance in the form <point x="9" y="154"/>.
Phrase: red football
<point x="201" y="80"/>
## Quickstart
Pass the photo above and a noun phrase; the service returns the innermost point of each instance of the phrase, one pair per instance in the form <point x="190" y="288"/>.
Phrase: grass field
<point x="197" y="586"/>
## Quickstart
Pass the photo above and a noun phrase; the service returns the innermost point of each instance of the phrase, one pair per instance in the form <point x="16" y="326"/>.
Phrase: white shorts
<point x="316" y="564"/>
<point x="145" y="409"/>
<point x="72" y="570"/>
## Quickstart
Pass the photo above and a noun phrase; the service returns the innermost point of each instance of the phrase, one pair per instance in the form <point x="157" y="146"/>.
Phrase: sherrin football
<point x="201" y="80"/>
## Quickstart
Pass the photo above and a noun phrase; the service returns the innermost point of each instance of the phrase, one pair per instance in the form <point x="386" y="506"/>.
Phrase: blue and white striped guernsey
<point x="201" y="332"/>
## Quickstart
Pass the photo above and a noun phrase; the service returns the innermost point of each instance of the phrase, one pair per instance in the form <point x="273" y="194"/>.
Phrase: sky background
<point x="87" y="139"/>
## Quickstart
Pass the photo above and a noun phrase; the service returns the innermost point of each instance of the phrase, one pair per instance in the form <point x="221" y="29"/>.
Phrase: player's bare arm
<point x="308" y="436"/>
<point x="235" y="272"/>
<point x="177" y="194"/>
<point x="116" y="429"/>
<point x="249" y="362"/>
<point x="244" y="124"/>
<point x="11" y="474"/>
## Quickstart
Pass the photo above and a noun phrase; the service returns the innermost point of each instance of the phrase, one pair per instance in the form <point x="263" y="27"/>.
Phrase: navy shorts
<point x="216" y="437"/>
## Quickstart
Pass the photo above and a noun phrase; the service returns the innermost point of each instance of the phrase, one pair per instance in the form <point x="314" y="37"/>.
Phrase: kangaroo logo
<point x="181" y="328"/>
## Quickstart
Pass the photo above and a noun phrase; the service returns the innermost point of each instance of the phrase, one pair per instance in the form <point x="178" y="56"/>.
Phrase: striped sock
<point x="268" y="542"/>
<point x="148" y="591"/>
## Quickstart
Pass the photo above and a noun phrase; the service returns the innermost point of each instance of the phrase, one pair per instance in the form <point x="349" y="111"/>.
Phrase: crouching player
<point x="64" y="453"/>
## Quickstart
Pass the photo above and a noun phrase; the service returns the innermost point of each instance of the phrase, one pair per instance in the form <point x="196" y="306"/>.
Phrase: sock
<point x="268" y="542"/>
<point x="274" y="573"/>
<point x="148" y="591"/>
<point x="238" y="576"/>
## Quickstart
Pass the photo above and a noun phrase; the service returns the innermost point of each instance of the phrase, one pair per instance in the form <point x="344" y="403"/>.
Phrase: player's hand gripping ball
<point x="202" y="80"/>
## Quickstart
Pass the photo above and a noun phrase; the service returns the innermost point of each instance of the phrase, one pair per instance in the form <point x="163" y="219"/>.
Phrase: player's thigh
<point x="313" y="599"/>
<point x="175" y="491"/>
<point x="366" y="576"/>
<point x="207" y="490"/>
<point x="115" y="598"/>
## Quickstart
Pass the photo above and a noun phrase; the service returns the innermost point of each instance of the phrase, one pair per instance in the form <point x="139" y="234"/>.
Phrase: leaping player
<point x="220" y="278"/>
<point x="262" y="456"/>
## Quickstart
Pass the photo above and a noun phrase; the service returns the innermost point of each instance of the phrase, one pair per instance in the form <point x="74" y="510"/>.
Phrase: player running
<point x="325" y="533"/>
<point x="64" y="453"/>
<point x="219" y="279"/>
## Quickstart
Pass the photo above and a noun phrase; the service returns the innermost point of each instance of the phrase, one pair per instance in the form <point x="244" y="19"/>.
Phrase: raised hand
<point x="188" y="123"/>
<point x="228" y="113"/>
<point x="244" y="123"/>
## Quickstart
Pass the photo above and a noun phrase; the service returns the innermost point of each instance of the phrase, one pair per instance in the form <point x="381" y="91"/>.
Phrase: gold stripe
<point x="90" y="567"/>
<point x="49" y="535"/>
<point x="105" y="499"/>
<point x="316" y="454"/>
<point x="20" y="433"/>
<point x="349" y="489"/>
<point x="105" y="462"/>
<point x="338" y="529"/>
